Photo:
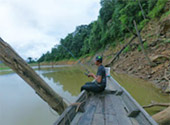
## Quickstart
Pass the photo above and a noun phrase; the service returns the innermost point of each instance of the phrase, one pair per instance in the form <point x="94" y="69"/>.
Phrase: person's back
<point x="100" y="78"/>
<point x="101" y="72"/>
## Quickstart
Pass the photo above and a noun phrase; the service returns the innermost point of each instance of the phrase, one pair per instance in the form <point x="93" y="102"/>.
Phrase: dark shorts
<point x="93" y="87"/>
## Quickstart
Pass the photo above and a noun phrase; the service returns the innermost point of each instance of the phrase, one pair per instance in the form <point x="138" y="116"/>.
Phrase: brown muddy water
<point x="19" y="105"/>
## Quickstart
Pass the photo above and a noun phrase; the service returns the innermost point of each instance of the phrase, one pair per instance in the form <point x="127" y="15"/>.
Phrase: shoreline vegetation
<point x="101" y="37"/>
<point x="119" y="45"/>
<point x="110" y="36"/>
<point x="155" y="37"/>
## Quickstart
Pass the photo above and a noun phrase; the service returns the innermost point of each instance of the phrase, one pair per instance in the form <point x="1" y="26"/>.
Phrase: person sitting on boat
<point x="99" y="83"/>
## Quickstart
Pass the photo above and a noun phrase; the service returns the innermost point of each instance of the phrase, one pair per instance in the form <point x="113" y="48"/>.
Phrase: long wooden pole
<point x="131" y="40"/>
<point x="118" y="53"/>
<point x="141" y="44"/>
<point x="143" y="14"/>
<point x="9" y="57"/>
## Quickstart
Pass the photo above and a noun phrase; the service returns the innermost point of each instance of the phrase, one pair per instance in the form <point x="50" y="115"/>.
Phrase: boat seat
<point x="119" y="93"/>
<point x="133" y="113"/>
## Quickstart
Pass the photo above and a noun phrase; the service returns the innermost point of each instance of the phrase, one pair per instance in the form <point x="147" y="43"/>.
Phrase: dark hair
<point x="99" y="59"/>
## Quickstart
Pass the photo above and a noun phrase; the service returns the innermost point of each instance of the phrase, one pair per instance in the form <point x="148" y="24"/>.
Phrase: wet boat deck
<point x="111" y="107"/>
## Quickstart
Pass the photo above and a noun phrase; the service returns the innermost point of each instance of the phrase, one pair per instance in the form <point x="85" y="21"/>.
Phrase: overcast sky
<point x="33" y="27"/>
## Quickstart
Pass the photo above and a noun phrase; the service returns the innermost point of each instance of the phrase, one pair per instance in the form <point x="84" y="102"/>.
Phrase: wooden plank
<point x="142" y="120"/>
<point x="136" y="111"/>
<point x="87" y="117"/>
<point x="109" y="113"/>
<point x="110" y="85"/>
<point x="104" y="114"/>
<point x="111" y="120"/>
<point x="106" y="108"/>
<point x="146" y="116"/>
<point x="100" y="105"/>
<point x="70" y="112"/>
<point x="134" y="121"/>
<point x="105" y="111"/>
<point x="121" y="114"/>
<point x="76" y="118"/>
<point x="108" y="105"/>
<point x="98" y="119"/>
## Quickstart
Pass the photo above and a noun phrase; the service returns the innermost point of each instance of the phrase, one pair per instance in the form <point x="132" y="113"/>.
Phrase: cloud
<point x="33" y="27"/>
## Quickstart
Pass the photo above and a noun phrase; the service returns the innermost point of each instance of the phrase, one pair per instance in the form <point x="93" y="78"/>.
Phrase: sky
<point x="33" y="27"/>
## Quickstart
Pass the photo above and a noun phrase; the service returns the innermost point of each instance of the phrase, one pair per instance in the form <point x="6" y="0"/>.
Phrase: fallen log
<point x="156" y="104"/>
<point x="10" y="58"/>
<point x="128" y="43"/>
<point x="118" y="53"/>
<point x="163" y="117"/>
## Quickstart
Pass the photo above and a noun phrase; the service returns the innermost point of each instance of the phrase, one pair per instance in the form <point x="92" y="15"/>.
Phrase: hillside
<point x="156" y="36"/>
<point x="113" y="30"/>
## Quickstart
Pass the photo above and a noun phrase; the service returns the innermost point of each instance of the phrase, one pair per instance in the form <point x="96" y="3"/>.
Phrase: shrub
<point x="158" y="8"/>
<point x="139" y="48"/>
<point x="167" y="41"/>
<point x="145" y="45"/>
<point x="165" y="15"/>
<point x="127" y="49"/>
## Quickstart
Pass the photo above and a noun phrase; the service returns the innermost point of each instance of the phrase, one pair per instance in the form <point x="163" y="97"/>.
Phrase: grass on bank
<point x="3" y="67"/>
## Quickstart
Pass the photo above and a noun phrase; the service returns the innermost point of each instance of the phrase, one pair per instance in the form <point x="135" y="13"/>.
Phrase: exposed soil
<point x="156" y="37"/>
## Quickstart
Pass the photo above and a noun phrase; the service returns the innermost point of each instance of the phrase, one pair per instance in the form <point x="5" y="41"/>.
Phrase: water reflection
<point x="72" y="78"/>
<point x="19" y="105"/>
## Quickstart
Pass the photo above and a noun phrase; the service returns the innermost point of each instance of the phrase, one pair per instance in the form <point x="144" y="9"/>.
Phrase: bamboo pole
<point x="10" y="58"/>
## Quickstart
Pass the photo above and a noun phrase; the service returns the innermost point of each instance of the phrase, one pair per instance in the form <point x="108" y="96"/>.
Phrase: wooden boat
<point x="114" y="106"/>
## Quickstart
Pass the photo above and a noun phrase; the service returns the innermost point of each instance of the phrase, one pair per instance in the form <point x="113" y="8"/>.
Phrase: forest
<point x="112" y="26"/>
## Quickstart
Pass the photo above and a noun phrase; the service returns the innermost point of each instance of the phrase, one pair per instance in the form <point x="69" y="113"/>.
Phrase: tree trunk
<point x="9" y="57"/>
<point x="163" y="117"/>
<point x="141" y="44"/>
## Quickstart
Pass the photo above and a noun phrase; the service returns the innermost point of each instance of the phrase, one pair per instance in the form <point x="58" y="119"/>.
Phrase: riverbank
<point x="156" y="41"/>
<point x="156" y="37"/>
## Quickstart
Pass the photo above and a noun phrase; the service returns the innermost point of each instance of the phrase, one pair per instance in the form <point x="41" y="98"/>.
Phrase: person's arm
<point x="97" y="78"/>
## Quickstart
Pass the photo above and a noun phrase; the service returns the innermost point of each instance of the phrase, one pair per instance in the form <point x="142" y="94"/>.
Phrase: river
<point x="20" y="105"/>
